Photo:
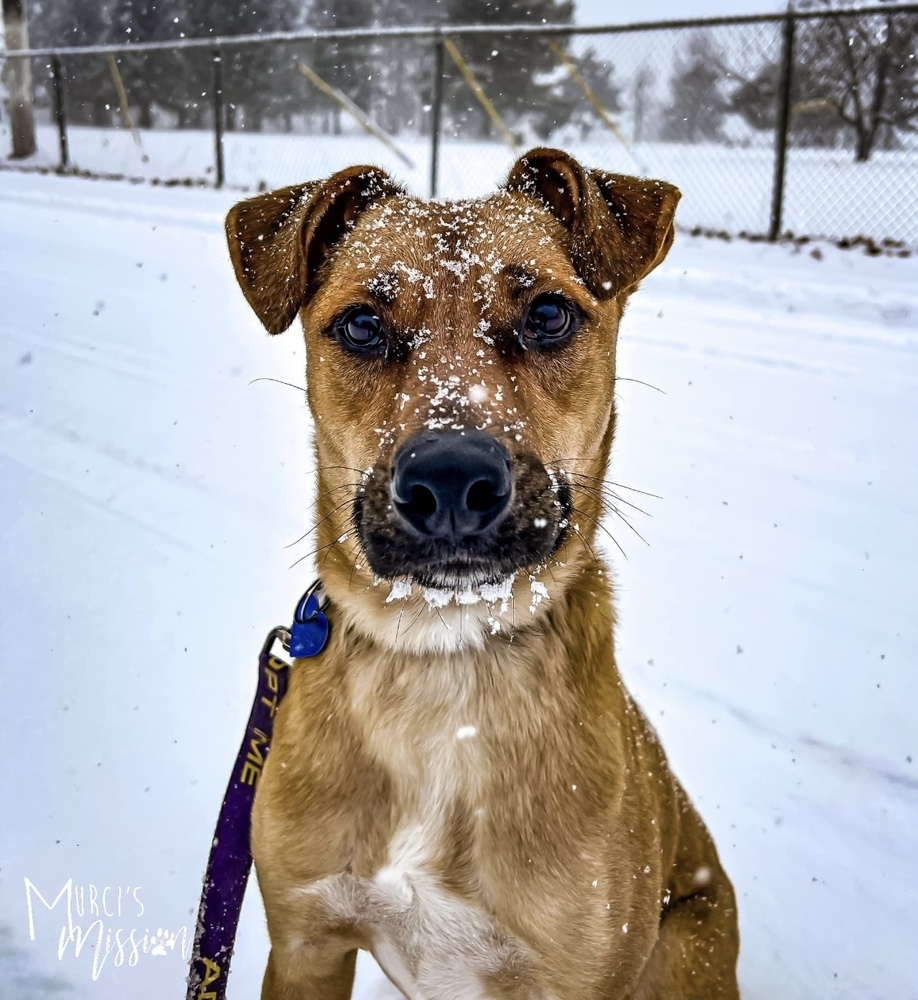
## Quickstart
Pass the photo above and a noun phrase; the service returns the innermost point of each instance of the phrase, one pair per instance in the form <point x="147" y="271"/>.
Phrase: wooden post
<point x="480" y="94"/>
<point x="361" y="117"/>
<point x="18" y="73"/>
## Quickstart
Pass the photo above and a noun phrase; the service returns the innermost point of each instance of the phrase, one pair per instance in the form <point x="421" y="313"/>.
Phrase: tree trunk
<point x="864" y="147"/>
<point x="101" y="113"/>
<point x="485" y="125"/>
<point x="145" y="115"/>
<point x="18" y="73"/>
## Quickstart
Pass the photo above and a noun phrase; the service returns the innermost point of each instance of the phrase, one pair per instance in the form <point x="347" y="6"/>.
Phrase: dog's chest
<point x="425" y="911"/>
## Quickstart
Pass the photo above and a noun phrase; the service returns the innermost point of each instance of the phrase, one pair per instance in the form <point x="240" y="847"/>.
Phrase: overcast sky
<point x="609" y="12"/>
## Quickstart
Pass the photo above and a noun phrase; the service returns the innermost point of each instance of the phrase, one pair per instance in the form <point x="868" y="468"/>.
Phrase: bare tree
<point x="868" y="67"/>
<point x="18" y="74"/>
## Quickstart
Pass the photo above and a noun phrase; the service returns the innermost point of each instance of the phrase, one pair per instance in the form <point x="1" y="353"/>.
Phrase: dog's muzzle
<point x="455" y="509"/>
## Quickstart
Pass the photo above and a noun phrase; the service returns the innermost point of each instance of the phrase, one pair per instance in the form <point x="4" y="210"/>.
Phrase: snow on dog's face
<point x="461" y="367"/>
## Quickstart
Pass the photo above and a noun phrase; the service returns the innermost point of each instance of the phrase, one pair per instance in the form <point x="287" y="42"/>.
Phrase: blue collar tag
<point x="309" y="631"/>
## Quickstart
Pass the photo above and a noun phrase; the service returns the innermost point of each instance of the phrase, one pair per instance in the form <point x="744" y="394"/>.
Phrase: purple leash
<point x="230" y="854"/>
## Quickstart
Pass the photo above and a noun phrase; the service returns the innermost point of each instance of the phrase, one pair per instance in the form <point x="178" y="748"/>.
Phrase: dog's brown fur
<point x="550" y="853"/>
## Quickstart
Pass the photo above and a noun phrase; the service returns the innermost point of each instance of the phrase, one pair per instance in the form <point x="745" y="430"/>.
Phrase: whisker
<point x="334" y="468"/>
<point x="601" y="527"/>
<point x="586" y="544"/>
<point x="330" y="548"/>
<point x="414" y="620"/>
<point x="628" y="524"/>
<point x="599" y="479"/>
<point x="398" y="624"/>
<point x="350" y="579"/>
<point x="306" y="534"/>
<point x="442" y="619"/>
<point x="318" y="524"/>
<point x="611" y="496"/>
<point x="611" y="508"/>
<point x="619" y="378"/>
<point x="314" y="551"/>
<point x="279" y="381"/>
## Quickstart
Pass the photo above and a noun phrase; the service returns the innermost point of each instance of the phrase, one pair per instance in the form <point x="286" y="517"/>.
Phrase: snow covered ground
<point x="826" y="193"/>
<point x="149" y="488"/>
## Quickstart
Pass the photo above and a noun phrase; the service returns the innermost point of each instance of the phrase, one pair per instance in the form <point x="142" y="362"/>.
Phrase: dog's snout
<point x="451" y="484"/>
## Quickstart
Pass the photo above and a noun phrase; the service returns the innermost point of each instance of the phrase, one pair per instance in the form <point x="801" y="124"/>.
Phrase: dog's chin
<point x="457" y="572"/>
<point x="458" y="578"/>
<point x="452" y="580"/>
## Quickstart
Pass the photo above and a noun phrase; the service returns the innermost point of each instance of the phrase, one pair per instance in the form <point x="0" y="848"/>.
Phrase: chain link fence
<point x="801" y="124"/>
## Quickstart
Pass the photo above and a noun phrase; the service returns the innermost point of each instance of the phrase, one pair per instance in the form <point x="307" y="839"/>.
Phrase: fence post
<point x="782" y="124"/>
<point x="436" y="116"/>
<point x="60" y="112"/>
<point x="218" y="118"/>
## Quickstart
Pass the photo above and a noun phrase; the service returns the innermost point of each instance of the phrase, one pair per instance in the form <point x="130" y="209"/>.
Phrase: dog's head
<point x="461" y="372"/>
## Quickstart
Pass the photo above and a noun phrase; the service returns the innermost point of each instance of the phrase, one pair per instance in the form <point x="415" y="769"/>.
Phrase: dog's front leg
<point x="695" y="955"/>
<point x="314" y="973"/>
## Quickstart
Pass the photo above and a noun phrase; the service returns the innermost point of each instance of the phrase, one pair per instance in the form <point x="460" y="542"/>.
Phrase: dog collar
<point x="230" y="857"/>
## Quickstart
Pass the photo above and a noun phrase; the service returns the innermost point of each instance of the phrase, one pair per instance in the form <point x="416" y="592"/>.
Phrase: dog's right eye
<point x="361" y="330"/>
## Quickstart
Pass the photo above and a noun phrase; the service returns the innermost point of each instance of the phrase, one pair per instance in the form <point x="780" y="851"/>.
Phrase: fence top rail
<point x="434" y="33"/>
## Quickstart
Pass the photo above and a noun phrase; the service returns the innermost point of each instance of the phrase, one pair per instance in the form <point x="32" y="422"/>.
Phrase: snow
<point x="149" y="488"/>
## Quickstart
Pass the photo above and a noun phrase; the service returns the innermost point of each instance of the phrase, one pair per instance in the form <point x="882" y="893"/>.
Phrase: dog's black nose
<point x="451" y="484"/>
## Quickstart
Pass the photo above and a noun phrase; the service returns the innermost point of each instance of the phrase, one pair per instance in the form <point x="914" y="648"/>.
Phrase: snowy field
<point x="149" y="489"/>
<point x="826" y="193"/>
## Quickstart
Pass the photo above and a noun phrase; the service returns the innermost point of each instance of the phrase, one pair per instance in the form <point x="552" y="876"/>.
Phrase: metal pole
<point x="218" y="118"/>
<point x="436" y="117"/>
<point x="60" y="112"/>
<point x="781" y="127"/>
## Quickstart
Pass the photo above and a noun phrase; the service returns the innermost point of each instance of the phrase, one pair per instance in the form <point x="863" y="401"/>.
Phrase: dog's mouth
<point x="456" y="513"/>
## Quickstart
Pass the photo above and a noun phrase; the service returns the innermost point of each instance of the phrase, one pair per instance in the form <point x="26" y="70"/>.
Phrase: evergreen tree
<point x="150" y="78"/>
<point x="696" y="108"/>
<point x="567" y="103"/>
<point x="348" y="64"/>
<point x="404" y="67"/>
<point x="508" y="67"/>
<point x="90" y="92"/>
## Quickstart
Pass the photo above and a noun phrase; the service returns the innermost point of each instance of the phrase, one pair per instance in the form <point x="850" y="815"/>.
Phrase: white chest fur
<point x="431" y="943"/>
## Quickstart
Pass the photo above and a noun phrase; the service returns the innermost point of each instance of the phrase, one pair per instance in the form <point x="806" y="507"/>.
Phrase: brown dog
<point x="460" y="783"/>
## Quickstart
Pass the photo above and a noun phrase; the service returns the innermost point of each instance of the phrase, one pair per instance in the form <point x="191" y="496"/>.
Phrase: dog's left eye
<point x="361" y="330"/>
<point x="550" y="321"/>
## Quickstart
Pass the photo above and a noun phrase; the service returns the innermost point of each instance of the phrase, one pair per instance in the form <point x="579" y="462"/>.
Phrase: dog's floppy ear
<point x="278" y="241"/>
<point x="621" y="226"/>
